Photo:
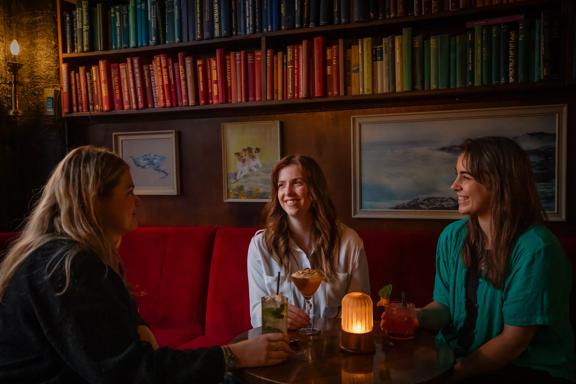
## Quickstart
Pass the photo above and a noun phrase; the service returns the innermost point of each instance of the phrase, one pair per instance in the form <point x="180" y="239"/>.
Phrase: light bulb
<point x="14" y="48"/>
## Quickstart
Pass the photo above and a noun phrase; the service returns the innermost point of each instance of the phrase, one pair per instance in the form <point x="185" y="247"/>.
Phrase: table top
<point x="319" y="359"/>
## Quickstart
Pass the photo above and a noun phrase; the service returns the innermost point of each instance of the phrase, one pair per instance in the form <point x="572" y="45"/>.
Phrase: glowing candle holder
<point x="357" y="323"/>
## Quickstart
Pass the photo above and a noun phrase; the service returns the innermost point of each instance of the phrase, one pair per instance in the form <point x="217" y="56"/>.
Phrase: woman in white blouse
<point x="302" y="231"/>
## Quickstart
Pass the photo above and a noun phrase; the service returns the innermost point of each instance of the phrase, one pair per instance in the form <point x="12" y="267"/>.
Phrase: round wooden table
<point x="318" y="359"/>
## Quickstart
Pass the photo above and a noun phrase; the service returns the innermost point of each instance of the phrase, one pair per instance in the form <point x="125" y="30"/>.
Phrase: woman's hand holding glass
<point x="297" y="318"/>
<point x="267" y="349"/>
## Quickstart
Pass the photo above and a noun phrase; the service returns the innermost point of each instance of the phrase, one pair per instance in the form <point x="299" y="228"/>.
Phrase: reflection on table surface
<point x="318" y="359"/>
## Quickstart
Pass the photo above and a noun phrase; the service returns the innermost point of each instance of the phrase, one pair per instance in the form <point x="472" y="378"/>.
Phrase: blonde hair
<point x="326" y="236"/>
<point x="68" y="209"/>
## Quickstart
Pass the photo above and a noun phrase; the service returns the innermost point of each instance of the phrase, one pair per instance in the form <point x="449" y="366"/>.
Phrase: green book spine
<point x="536" y="63"/>
<point x="470" y="58"/>
<point x="417" y="62"/>
<point x="367" y="64"/>
<point x="427" y="64"/>
<point x="407" y="58"/>
<point x="95" y="30"/>
<point x="453" y="61"/>
<point x="486" y="52"/>
<point x="118" y="26"/>
<point x="495" y="55"/>
<point x="434" y="61"/>
<point x="444" y="61"/>
<point x="132" y="25"/>
<point x="504" y="37"/>
<point x="86" y="29"/>
<point x="391" y="63"/>
<point x="477" y="56"/>
<point x="522" y="51"/>
<point x="461" y="61"/>
<point x="79" y="31"/>
<point x="513" y="55"/>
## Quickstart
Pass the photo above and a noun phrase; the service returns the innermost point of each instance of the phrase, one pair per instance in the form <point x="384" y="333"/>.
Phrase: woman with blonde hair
<point x="302" y="231"/>
<point x="66" y="314"/>
<point x="502" y="287"/>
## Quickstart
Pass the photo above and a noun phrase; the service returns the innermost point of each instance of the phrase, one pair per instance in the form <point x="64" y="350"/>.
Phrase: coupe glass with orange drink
<point x="307" y="281"/>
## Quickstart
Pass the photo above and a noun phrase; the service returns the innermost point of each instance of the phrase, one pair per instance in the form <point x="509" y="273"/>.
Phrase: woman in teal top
<point x="502" y="286"/>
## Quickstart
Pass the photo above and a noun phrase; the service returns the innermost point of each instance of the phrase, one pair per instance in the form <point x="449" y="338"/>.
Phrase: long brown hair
<point x="503" y="167"/>
<point x="325" y="232"/>
<point x="67" y="209"/>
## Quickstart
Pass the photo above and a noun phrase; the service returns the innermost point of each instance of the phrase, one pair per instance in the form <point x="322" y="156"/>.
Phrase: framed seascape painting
<point x="403" y="164"/>
<point x="153" y="160"/>
<point x="249" y="151"/>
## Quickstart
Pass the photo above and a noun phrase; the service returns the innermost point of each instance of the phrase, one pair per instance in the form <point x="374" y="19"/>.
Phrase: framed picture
<point x="153" y="160"/>
<point x="249" y="152"/>
<point x="403" y="164"/>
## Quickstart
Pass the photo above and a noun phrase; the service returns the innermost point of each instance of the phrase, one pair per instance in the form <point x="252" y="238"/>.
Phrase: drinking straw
<point x="278" y="283"/>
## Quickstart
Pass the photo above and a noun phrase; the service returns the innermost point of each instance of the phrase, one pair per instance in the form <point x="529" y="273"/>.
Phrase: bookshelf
<point x="280" y="88"/>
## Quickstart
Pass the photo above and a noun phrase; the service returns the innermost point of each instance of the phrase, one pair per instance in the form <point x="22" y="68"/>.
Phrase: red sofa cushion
<point x="405" y="259"/>
<point x="167" y="268"/>
<point x="227" y="310"/>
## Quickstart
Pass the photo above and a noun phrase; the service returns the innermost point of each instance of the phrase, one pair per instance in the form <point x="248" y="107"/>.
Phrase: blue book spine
<point x="225" y="18"/>
<point x="258" y="16"/>
<point x="177" y="21"/>
<point x="169" y="21"/>
<point x="191" y="19"/>
<point x="298" y="13"/>
<point x="265" y="16"/>
<point x="324" y="14"/>
<point x="315" y="13"/>
<point x="249" y="15"/>
<point x="152" y="22"/>
<point x="132" y="20"/>
<point x="198" y="12"/>
<point x="139" y="23"/>
<point x="145" y="24"/>
<point x="275" y="13"/>
<point x="217" y="18"/>
<point x="208" y="19"/>
<point x="112" y="26"/>
<point x="184" y="19"/>
<point x="344" y="11"/>
<point x="359" y="10"/>
<point x="241" y="21"/>
<point x="125" y="26"/>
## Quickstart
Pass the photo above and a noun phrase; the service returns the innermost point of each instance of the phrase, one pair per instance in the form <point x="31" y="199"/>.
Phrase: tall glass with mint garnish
<point x="274" y="314"/>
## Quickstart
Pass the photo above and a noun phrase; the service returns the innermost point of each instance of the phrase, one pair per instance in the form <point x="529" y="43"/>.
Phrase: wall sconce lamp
<point x="13" y="67"/>
<point x="357" y="323"/>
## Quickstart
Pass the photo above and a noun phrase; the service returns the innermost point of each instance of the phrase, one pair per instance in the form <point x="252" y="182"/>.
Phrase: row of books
<point x="137" y="23"/>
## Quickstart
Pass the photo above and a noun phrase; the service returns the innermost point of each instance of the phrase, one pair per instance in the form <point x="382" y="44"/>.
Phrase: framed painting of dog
<point x="153" y="160"/>
<point x="249" y="151"/>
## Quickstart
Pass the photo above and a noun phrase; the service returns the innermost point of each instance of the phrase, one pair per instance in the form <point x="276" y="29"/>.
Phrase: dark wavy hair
<point x="325" y="232"/>
<point x="503" y="167"/>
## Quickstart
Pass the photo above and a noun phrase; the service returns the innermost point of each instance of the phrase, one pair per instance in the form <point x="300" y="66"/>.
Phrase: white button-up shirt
<point x="352" y="275"/>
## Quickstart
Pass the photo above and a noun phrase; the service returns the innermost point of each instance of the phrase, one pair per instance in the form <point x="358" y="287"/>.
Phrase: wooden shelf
<point x="340" y="102"/>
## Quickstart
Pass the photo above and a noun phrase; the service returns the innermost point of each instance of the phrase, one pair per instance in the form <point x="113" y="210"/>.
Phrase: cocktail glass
<point x="400" y="320"/>
<point x="274" y="314"/>
<point x="307" y="281"/>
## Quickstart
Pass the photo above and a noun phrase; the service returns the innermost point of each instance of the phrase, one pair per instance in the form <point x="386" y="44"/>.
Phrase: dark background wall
<point x="31" y="143"/>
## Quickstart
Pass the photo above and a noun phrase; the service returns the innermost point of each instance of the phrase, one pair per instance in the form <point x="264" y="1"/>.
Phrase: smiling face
<point x="293" y="192"/>
<point x="473" y="197"/>
<point x="118" y="208"/>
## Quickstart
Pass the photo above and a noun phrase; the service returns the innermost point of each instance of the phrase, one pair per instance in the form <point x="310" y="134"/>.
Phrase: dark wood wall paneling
<point x="324" y="134"/>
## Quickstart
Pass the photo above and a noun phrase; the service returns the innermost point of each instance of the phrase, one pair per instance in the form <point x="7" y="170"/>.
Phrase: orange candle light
<point x="357" y="323"/>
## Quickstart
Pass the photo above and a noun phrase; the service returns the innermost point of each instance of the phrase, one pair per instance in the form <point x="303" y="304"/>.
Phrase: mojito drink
<point x="275" y="314"/>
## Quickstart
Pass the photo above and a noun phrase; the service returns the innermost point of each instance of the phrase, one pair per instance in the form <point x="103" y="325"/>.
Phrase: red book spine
<point x="178" y="86"/>
<point x="280" y="76"/>
<point x="290" y="72"/>
<point x="221" y="75"/>
<point x="97" y="89"/>
<point x="213" y="94"/>
<point x="65" y="88"/>
<point x="285" y="76"/>
<point x="335" y="71"/>
<point x="239" y="76"/>
<point x="172" y="82"/>
<point x="251" y="79"/>
<point x="78" y="91"/>
<point x="124" y="83"/>
<point x="318" y="66"/>
<point x="329" y="71"/>
<point x="165" y="81"/>
<point x="202" y="86"/>
<point x="244" y="72"/>
<point x="105" y="85"/>
<point x="229" y="78"/>
<point x="341" y="68"/>
<point x="190" y="80"/>
<point x="183" y="84"/>
<point x="90" y="88"/>
<point x="297" y="69"/>
<point x="140" y="89"/>
<point x="269" y="74"/>
<point x="116" y="87"/>
<point x="304" y="69"/>
<point x="73" y="91"/>
<point x="159" y="81"/>
<point x="148" y="86"/>
<point x="259" y="74"/>
<point x="83" y="89"/>
<point x="154" y="85"/>
<point x="131" y="83"/>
